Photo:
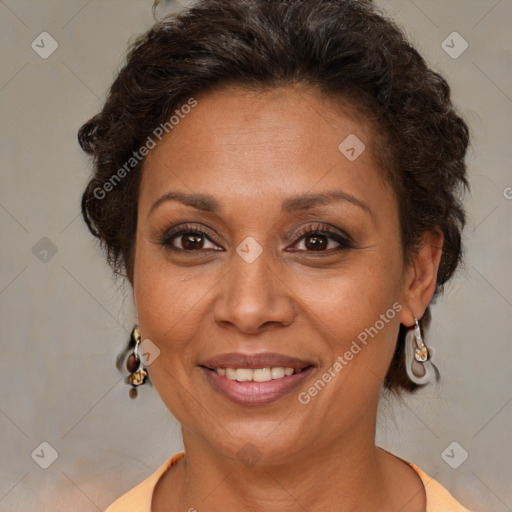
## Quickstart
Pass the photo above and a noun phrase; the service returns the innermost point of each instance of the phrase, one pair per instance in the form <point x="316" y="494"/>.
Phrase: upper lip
<point x="262" y="360"/>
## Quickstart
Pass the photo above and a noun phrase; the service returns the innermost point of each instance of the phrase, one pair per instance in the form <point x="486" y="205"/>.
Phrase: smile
<point x="241" y="385"/>
<point x="257" y="374"/>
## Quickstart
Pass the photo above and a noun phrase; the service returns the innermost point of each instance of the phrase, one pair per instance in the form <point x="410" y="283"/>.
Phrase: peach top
<point x="139" y="498"/>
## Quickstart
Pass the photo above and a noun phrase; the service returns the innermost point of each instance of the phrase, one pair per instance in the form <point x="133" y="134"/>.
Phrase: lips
<point x="252" y="392"/>
<point x="263" y="360"/>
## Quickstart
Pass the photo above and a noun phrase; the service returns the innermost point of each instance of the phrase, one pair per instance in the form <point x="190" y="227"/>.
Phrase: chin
<point x="259" y="441"/>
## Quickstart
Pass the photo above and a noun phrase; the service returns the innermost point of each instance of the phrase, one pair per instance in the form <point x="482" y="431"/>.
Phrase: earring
<point x="138" y="375"/>
<point x="419" y="368"/>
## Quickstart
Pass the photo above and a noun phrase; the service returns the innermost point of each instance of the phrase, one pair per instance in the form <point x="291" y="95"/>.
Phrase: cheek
<point x="169" y="298"/>
<point x="355" y="313"/>
<point x="352" y="297"/>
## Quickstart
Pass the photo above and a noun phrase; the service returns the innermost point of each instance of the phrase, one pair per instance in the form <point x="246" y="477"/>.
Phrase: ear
<point x="421" y="277"/>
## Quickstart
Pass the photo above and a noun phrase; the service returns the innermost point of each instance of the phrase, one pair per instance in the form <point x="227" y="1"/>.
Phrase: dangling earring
<point x="138" y="376"/>
<point x="419" y="368"/>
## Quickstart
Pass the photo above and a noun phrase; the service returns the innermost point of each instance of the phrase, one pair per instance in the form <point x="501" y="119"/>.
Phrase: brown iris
<point x="193" y="241"/>
<point x="315" y="242"/>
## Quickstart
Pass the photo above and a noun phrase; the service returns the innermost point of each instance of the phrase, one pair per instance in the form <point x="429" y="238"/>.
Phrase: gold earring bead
<point x="421" y="353"/>
<point x="136" y="377"/>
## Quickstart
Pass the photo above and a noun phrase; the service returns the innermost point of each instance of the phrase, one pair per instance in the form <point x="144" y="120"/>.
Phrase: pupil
<point x="316" y="242"/>
<point x="192" y="241"/>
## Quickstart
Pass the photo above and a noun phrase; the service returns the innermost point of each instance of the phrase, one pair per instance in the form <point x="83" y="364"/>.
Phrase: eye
<point x="188" y="238"/>
<point x="322" y="238"/>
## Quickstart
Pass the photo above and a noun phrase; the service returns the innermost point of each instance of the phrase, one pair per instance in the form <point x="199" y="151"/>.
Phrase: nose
<point x="252" y="297"/>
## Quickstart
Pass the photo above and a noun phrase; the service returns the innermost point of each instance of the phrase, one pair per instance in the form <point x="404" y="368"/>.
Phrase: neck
<point x="348" y="472"/>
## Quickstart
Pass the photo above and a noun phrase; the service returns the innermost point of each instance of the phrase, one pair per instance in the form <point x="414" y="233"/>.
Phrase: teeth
<point x="277" y="372"/>
<point x="261" y="375"/>
<point x="243" y="374"/>
<point x="255" y="375"/>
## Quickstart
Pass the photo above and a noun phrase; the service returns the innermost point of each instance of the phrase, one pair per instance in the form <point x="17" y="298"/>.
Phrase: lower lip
<point x="255" y="393"/>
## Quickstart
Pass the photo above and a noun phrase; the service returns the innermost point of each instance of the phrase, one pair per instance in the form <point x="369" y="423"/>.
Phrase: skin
<point x="250" y="151"/>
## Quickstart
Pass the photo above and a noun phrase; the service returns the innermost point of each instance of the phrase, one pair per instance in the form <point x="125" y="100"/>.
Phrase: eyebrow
<point x="290" y="205"/>
<point x="201" y="202"/>
<point x="310" y="201"/>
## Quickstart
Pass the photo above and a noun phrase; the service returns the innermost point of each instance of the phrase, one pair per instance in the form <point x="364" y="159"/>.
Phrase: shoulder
<point x="438" y="498"/>
<point x="138" y="499"/>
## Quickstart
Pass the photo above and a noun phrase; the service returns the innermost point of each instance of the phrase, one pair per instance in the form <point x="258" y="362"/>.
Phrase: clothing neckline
<point x="158" y="475"/>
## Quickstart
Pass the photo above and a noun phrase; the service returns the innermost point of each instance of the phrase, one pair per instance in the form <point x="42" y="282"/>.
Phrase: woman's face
<point x="225" y="270"/>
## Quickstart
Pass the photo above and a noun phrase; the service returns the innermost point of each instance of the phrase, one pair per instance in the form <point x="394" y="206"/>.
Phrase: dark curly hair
<point x="345" y="49"/>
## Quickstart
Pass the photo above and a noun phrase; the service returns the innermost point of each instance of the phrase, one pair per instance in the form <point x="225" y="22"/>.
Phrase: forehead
<point x="293" y="117"/>
<point x="261" y="144"/>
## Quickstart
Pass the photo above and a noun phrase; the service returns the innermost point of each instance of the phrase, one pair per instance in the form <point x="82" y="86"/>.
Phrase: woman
<point x="279" y="181"/>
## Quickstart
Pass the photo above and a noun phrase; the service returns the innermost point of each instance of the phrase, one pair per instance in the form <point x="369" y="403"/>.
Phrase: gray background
<point x="63" y="318"/>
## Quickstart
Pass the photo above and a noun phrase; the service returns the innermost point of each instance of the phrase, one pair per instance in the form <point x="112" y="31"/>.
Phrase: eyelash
<point x="344" y="241"/>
